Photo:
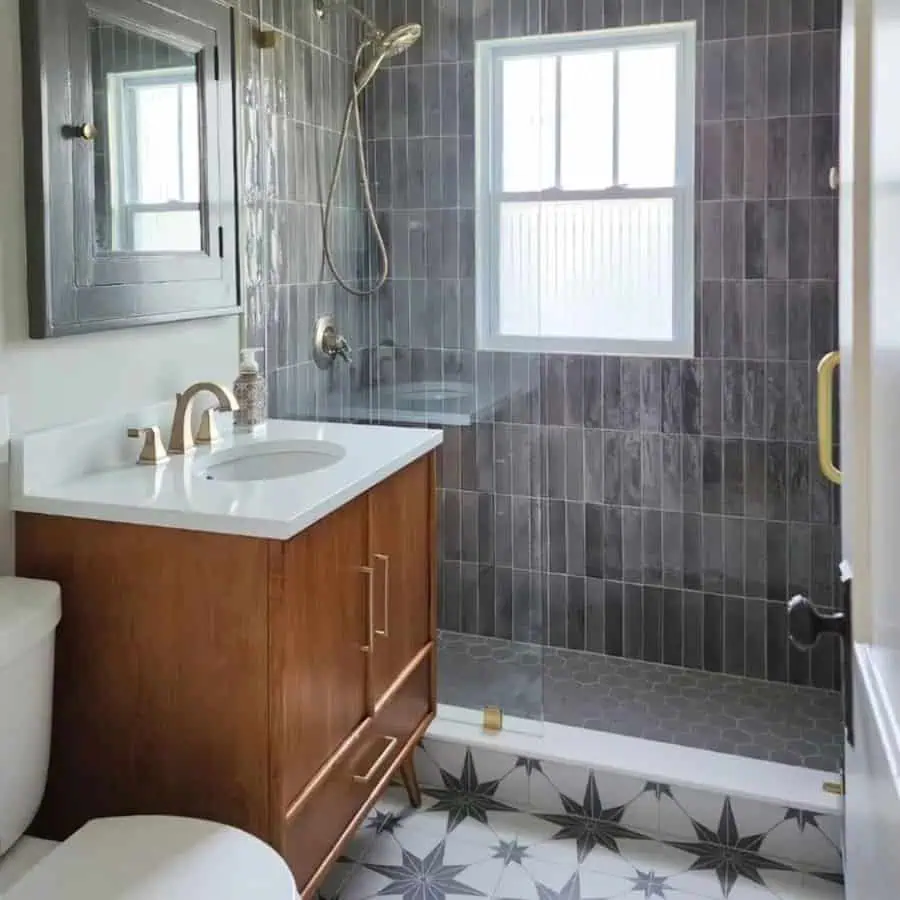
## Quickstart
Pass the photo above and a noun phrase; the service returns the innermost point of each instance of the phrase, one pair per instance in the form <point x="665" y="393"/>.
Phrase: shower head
<point x="398" y="40"/>
<point x="383" y="46"/>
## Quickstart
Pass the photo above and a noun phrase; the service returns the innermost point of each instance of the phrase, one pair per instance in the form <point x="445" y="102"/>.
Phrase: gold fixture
<point x="827" y="365"/>
<point x="833" y="787"/>
<point x="379" y="762"/>
<point x="181" y="439"/>
<point x="492" y="719"/>
<point x="369" y="572"/>
<point x="87" y="132"/>
<point x="153" y="452"/>
<point x="386" y="562"/>
<point x="208" y="432"/>
<point x="266" y="39"/>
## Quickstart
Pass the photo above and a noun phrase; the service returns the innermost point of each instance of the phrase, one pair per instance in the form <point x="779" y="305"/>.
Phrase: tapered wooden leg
<point x="410" y="782"/>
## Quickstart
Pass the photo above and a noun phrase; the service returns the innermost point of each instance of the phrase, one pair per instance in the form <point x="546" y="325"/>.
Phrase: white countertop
<point x="175" y="495"/>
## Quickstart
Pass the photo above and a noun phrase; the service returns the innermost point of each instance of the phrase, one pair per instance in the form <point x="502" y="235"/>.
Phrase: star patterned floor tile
<point x="728" y="854"/>
<point x="465" y="843"/>
<point x="541" y="880"/>
<point x="464" y="798"/>
<point x="588" y="823"/>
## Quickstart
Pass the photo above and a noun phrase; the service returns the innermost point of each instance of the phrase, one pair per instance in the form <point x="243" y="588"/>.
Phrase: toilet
<point x="121" y="858"/>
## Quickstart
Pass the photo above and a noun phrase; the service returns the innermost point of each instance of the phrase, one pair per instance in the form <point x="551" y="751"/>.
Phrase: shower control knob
<point x="806" y="624"/>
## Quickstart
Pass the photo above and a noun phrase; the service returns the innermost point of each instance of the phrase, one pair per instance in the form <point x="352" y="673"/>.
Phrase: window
<point x="585" y="192"/>
<point x="155" y="160"/>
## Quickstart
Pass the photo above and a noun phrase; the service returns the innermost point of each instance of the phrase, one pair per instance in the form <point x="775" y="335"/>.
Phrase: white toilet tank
<point x="29" y="613"/>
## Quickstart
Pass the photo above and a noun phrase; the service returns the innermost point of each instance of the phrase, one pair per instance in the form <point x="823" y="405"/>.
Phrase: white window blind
<point x="585" y="158"/>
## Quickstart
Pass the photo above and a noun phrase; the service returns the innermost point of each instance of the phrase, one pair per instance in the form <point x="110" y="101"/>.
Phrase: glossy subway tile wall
<point x="656" y="509"/>
<point x="675" y="503"/>
<point x="291" y="101"/>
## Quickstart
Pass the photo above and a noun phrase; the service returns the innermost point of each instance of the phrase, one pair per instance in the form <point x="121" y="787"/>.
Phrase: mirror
<point x="147" y="161"/>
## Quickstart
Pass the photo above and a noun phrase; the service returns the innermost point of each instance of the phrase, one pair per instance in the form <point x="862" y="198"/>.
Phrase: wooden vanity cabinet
<point x="276" y="686"/>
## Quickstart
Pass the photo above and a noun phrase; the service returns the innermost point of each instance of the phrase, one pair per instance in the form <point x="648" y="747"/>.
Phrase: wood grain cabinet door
<point x="319" y="633"/>
<point x="401" y="552"/>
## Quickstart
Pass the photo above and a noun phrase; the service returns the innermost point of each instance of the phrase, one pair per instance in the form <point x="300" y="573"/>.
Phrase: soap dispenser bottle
<point x="250" y="391"/>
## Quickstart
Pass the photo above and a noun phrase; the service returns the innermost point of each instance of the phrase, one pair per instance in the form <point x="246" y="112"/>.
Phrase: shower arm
<point x="323" y="8"/>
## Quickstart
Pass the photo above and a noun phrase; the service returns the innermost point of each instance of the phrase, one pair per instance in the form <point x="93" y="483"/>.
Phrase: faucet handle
<point x="153" y="452"/>
<point x="208" y="432"/>
<point x="343" y="349"/>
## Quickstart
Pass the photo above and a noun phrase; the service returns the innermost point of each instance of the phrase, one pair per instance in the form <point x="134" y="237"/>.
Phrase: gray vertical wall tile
<point x="651" y="470"/>
<point x="594" y="460"/>
<point x="801" y="74"/>
<point x="575" y="539"/>
<point x="692" y="472"/>
<point x="735" y="66"/>
<point x="691" y="396"/>
<point x="671" y="495"/>
<point x="614" y="617"/>
<point x="651" y="547"/>
<point x="734" y="626"/>
<point x="733" y="398"/>
<point x="673" y="638"/>
<point x="612" y="549"/>
<point x="633" y="621"/>
<point x="595" y="609"/>
<point x="632" y="545"/>
<point x="755" y="157"/>
<point x="671" y="475"/>
<point x="595" y="541"/>
<point x="712" y="154"/>
<point x="713" y="554"/>
<point x="778" y="74"/>
<point x="576" y="613"/>
<point x="756" y="574"/>
<point x="692" y="547"/>
<point x="692" y="650"/>
<point x="713" y="637"/>
<point x="631" y="469"/>
<point x="652" y="616"/>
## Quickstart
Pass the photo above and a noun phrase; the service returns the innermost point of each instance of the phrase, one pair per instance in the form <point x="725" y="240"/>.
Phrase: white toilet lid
<point x="158" y="858"/>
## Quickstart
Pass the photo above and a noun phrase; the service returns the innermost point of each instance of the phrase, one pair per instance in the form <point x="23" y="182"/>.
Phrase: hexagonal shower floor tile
<point x="756" y="719"/>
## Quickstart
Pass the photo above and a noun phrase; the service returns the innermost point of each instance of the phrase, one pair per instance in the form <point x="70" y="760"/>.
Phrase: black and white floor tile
<point x="598" y="808"/>
<point x="464" y="842"/>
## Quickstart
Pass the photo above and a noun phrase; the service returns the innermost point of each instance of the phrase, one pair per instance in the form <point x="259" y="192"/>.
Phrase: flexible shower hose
<point x="352" y="113"/>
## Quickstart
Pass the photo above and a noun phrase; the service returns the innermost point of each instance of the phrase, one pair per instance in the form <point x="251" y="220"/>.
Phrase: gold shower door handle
<point x="825" y="390"/>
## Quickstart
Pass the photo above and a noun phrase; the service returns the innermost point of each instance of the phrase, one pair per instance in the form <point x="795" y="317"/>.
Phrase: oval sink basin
<point x="433" y="390"/>
<point x="270" y="461"/>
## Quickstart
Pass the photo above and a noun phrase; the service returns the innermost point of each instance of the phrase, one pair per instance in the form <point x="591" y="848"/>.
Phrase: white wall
<point x="64" y="379"/>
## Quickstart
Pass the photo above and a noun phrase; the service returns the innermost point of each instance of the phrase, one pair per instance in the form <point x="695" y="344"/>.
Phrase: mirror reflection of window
<point x="148" y="155"/>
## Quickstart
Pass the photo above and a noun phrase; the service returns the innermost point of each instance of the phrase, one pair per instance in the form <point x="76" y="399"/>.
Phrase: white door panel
<point x="853" y="268"/>
<point x="885" y="304"/>
<point x="872" y="863"/>
<point x="870" y="435"/>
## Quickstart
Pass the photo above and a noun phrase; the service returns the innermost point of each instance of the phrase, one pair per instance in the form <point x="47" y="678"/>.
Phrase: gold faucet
<point x="181" y="440"/>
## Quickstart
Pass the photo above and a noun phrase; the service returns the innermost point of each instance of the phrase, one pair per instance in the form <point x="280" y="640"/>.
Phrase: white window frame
<point x="488" y="196"/>
<point x="122" y="175"/>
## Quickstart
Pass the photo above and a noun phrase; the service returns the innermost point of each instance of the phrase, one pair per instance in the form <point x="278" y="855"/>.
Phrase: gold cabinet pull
<point x="825" y="390"/>
<point x="385" y="560"/>
<point x="378" y="764"/>
<point x="369" y="572"/>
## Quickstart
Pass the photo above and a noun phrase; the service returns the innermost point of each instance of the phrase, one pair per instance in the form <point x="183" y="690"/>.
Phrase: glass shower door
<point x="494" y="549"/>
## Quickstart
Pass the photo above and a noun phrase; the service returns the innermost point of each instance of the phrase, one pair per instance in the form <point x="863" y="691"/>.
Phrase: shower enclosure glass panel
<point x="494" y="549"/>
